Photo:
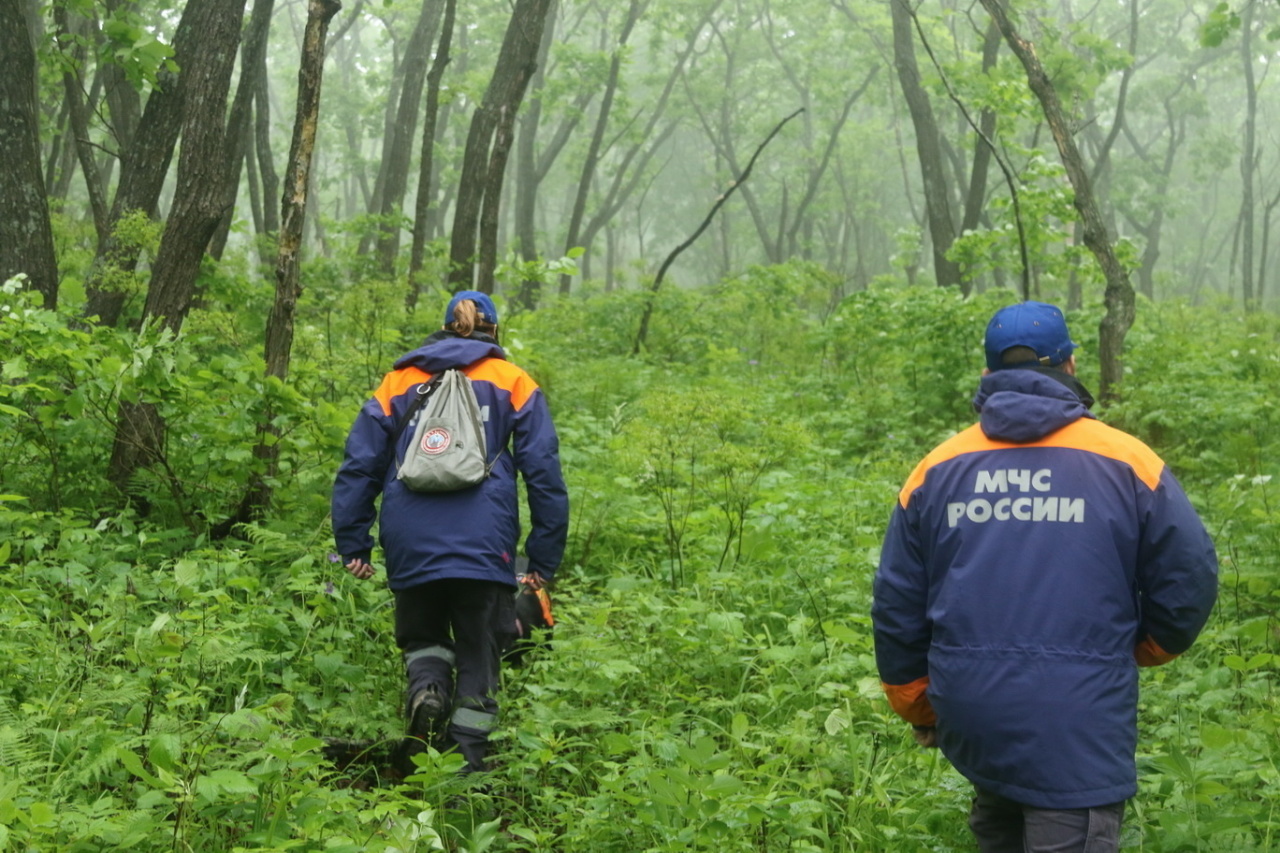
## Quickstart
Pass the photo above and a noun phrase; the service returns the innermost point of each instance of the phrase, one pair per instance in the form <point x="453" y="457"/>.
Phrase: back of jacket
<point x="1030" y="562"/>
<point x="472" y="532"/>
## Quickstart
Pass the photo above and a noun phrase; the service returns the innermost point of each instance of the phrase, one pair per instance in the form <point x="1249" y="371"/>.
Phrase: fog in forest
<point x="919" y="154"/>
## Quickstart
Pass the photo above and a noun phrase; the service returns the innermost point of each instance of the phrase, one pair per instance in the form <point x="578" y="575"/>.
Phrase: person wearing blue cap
<point x="450" y="556"/>
<point x="1032" y="563"/>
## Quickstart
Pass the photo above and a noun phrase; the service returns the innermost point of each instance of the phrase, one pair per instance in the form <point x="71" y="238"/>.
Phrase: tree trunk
<point x="239" y="128"/>
<point x="279" y="339"/>
<point x="388" y="133"/>
<point x="1248" y="159"/>
<point x="197" y="207"/>
<point x="942" y="229"/>
<point x="123" y="100"/>
<point x="144" y="166"/>
<point x="975" y="199"/>
<point x="426" y="165"/>
<point x="400" y="145"/>
<point x="26" y="237"/>
<point x="58" y="147"/>
<point x="818" y="173"/>
<point x="1119" y="296"/>
<point x="502" y="98"/>
<point x="597" y="137"/>
<point x="74" y="53"/>
<point x="266" y="163"/>
<point x="503" y="135"/>
<point x="1265" y="250"/>
<point x="632" y="165"/>
<point x="642" y="334"/>
<point x="531" y="169"/>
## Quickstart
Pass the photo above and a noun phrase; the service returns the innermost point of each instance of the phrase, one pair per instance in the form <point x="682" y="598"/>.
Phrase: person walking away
<point x="1031" y="564"/>
<point x="450" y="556"/>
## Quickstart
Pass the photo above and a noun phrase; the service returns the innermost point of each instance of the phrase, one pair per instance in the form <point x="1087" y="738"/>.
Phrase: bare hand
<point x="360" y="569"/>
<point x="534" y="580"/>
<point x="926" y="736"/>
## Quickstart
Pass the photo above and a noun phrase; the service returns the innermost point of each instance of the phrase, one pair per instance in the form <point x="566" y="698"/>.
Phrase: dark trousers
<point x="1004" y="826"/>
<point x="451" y="633"/>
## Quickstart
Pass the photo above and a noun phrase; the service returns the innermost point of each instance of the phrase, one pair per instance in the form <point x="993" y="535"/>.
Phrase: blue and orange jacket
<point x="1032" y="562"/>
<point x="471" y="533"/>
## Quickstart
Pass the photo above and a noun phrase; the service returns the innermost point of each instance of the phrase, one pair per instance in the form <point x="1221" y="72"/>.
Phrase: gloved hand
<point x="926" y="736"/>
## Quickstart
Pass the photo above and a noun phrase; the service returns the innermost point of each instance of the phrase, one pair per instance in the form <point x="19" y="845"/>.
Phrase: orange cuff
<point x="910" y="702"/>
<point x="1149" y="653"/>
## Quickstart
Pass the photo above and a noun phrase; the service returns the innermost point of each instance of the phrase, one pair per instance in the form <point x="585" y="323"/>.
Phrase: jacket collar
<point x="1021" y="405"/>
<point x="443" y="350"/>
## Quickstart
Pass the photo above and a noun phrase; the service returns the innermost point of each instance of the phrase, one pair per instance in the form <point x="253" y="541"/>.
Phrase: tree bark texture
<point x="976" y="197"/>
<point x="73" y="63"/>
<point x="123" y="101"/>
<point x="1119" y="297"/>
<point x="400" y="144"/>
<point x="529" y="171"/>
<point x="266" y="163"/>
<point x="490" y="209"/>
<point x="26" y="237"/>
<point x="144" y="165"/>
<point x="55" y="163"/>
<point x="197" y="207"/>
<point x="506" y="88"/>
<point x="293" y="208"/>
<point x="942" y="229"/>
<point x="426" y="186"/>
<point x="239" y="128"/>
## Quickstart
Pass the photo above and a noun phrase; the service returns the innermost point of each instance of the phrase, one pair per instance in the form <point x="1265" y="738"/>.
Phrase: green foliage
<point x="1221" y="23"/>
<point x="132" y="43"/>
<point x="712" y="684"/>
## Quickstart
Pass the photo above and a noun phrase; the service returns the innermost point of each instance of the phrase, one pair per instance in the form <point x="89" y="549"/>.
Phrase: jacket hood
<point x="1024" y="405"/>
<point x="445" y="350"/>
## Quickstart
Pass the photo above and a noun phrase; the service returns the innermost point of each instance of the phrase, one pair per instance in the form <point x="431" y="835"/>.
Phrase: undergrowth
<point x="711" y="684"/>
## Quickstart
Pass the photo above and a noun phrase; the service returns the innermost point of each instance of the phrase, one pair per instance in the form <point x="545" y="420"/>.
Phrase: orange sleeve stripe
<point x="969" y="441"/>
<point x="1149" y="653"/>
<point x="506" y="376"/>
<point x="910" y="702"/>
<point x="1085" y="434"/>
<point x="501" y="373"/>
<point x="396" y="383"/>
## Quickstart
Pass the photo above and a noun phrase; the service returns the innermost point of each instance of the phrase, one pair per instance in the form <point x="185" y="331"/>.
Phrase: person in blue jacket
<point x="1032" y="563"/>
<point x="450" y="556"/>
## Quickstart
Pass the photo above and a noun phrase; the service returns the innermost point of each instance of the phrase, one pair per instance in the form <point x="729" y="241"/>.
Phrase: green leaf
<point x="133" y="764"/>
<point x="837" y="721"/>
<point x="723" y="785"/>
<point x="229" y="781"/>
<point x="186" y="573"/>
<point x="42" y="814"/>
<point x="845" y="634"/>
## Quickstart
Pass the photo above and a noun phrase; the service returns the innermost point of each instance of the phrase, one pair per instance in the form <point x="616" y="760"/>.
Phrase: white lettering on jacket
<point x="1040" y="508"/>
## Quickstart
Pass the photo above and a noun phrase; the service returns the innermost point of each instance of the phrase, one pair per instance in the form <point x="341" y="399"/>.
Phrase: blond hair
<point x="467" y="319"/>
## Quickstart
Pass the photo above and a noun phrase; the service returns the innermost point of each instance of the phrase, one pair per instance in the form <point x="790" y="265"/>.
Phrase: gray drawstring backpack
<point x="448" y="450"/>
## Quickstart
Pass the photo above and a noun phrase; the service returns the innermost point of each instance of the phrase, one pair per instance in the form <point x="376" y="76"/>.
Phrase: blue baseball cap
<point x="483" y="304"/>
<point x="1036" y="325"/>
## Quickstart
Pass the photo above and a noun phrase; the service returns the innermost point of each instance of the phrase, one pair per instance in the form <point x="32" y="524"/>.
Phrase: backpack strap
<point x="423" y="392"/>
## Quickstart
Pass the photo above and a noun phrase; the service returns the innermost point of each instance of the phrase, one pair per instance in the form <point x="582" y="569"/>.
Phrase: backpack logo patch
<point x="448" y="450"/>
<point x="435" y="441"/>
